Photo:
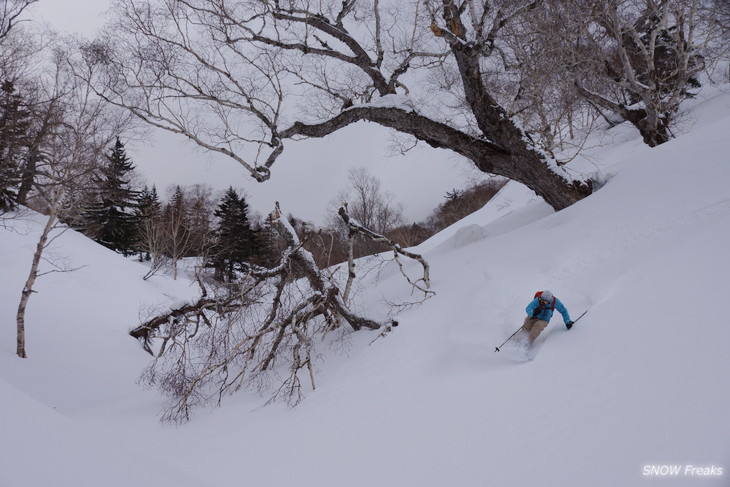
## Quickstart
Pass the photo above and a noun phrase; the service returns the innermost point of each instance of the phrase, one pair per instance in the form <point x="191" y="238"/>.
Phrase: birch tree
<point x="637" y="60"/>
<point x="74" y="146"/>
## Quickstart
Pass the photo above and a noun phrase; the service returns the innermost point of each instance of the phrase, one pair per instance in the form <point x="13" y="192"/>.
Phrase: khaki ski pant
<point x="534" y="327"/>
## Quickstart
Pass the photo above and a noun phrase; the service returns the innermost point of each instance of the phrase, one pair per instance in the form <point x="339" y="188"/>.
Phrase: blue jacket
<point x="544" y="311"/>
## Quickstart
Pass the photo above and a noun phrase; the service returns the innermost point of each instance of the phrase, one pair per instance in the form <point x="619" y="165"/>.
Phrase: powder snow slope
<point x="641" y="380"/>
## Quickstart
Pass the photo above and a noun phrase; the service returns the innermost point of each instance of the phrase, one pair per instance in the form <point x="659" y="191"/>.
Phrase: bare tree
<point x="537" y="88"/>
<point x="236" y="334"/>
<point x="637" y="59"/>
<point x="355" y="228"/>
<point x="152" y="232"/>
<point x="180" y="228"/>
<point x="21" y="46"/>
<point x="58" y="179"/>
<point x="179" y="241"/>
<point x="46" y="111"/>
<point x="152" y="242"/>
<point x="718" y="15"/>
<point x="10" y="14"/>
<point x="22" y="51"/>
<point x="201" y="203"/>
<point x="74" y="147"/>
<point x="245" y="78"/>
<point x="368" y="204"/>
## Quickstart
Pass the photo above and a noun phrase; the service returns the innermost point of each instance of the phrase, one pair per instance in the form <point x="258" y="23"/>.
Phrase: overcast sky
<point x="306" y="177"/>
<point x="78" y="16"/>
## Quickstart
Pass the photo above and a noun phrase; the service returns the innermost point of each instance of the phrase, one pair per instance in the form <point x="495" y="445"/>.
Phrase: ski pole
<point x="496" y="349"/>
<point x="581" y="316"/>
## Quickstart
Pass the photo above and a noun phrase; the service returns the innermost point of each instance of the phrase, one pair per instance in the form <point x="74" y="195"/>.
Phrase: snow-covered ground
<point x="641" y="381"/>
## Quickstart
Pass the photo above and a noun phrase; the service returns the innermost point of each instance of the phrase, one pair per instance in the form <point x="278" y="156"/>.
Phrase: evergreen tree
<point x="149" y="223"/>
<point x="149" y="204"/>
<point x="14" y="125"/>
<point x="113" y="220"/>
<point x="236" y="243"/>
<point x="270" y="243"/>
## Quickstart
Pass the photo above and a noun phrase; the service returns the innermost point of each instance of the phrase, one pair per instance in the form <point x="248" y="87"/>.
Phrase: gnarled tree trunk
<point x="338" y="56"/>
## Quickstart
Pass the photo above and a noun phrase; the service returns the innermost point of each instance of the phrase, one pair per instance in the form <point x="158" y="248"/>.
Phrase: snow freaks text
<point x="682" y="471"/>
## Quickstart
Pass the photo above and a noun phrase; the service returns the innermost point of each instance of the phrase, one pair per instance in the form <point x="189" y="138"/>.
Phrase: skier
<point x="539" y="312"/>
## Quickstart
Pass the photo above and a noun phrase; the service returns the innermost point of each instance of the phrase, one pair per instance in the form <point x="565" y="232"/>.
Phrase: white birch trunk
<point x="32" y="276"/>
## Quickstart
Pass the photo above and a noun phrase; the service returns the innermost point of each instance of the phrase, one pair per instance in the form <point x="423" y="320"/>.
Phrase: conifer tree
<point x="14" y="125"/>
<point x="236" y="242"/>
<point x="149" y="226"/>
<point x="270" y="243"/>
<point x="149" y="203"/>
<point x="112" y="220"/>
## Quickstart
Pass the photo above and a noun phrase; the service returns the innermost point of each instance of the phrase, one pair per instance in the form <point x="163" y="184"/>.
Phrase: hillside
<point x="640" y="381"/>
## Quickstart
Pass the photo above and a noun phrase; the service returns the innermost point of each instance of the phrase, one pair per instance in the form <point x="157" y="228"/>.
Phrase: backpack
<point x="552" y="305"/>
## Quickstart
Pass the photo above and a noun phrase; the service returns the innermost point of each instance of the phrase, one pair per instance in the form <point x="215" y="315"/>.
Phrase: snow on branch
<point x="245" y="333"/>
<point x="421" y="284"/>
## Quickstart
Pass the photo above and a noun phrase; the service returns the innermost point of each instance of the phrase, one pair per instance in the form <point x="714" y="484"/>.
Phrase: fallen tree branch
<point x="239" y="333"/>
<point x="354" y="228"/>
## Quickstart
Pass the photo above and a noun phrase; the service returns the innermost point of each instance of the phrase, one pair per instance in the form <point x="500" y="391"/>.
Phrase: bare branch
<point x="237" y="333"/>
<point x="10" y="12"/>
<point x="421" y="284"/>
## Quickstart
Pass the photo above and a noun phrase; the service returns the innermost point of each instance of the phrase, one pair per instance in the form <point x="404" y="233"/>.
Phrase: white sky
<point x="306" y="177"/>
<point x="78" y="16"/>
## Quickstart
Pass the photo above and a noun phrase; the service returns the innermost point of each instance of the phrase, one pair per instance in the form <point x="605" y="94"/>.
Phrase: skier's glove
<point x="569" y="325"/>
